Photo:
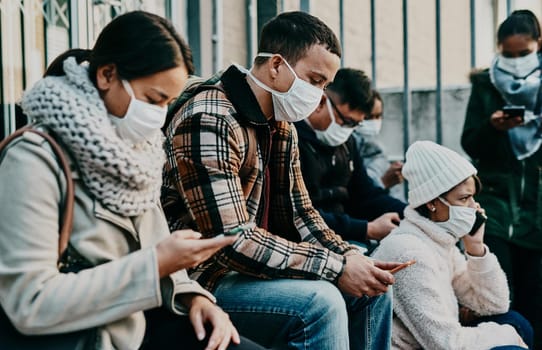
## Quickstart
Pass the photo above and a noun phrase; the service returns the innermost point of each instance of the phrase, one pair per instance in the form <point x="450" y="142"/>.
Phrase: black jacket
<point x="339" y="186"/>
<point x="512" y="189"/>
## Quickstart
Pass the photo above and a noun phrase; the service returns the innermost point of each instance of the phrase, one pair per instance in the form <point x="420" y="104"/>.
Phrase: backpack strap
<point x="194" y="86"/>
<point x="66" y="222"/>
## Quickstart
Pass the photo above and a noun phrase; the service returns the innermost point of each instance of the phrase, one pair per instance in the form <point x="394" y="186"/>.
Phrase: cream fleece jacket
<point x="427" y="294"/>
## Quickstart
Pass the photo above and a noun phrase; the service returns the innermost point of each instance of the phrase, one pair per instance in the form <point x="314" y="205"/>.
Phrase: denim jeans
<point x="520" y="323"/>
<point x="303" y="314"/>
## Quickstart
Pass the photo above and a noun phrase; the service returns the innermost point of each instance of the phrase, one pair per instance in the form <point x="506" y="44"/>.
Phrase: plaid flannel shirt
<point x="206" y="147"/>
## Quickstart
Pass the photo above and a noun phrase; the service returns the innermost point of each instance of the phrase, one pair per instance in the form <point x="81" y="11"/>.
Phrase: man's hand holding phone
<point x="364" y="276"/>
<point x="239" y="229"/>
<point x="402" y="266"/>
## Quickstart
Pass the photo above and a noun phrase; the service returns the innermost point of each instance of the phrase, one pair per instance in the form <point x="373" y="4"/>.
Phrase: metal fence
<point x="35" y="31"/>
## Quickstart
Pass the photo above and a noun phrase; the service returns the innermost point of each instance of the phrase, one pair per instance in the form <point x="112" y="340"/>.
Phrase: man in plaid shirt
<point x="288" y="280"/>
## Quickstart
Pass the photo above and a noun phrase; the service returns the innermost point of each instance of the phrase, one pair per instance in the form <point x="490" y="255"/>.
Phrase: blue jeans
<point x="303" y="314"/>
<point x="513" y="318"/>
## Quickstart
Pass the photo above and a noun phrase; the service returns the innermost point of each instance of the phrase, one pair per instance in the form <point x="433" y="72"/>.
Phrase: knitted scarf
<point x="525" y="139"/>
<point x="124" y="179"/>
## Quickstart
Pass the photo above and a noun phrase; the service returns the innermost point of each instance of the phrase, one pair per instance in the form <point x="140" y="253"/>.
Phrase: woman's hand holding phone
<point x="185" y="248"/>
<point x="474" y="241"/>
<point x="503" y="121"/>
<point x="514" y="112"/>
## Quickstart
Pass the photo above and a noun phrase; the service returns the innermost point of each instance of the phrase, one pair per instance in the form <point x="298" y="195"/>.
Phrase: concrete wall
<point x="423" y="123"/>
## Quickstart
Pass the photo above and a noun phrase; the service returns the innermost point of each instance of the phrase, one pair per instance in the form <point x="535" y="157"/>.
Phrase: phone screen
<point x="513" y="111"/>
<point x="239" y="229"/>
<point x="480" y="219"/>
<point x="402" y="266"/>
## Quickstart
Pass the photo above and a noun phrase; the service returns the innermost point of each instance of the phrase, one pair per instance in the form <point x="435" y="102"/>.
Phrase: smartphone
<point x="511" y="111"/>
<point x="239" y="229"/>
<point x="479" y="221"/>
<point x="402" y="266"/>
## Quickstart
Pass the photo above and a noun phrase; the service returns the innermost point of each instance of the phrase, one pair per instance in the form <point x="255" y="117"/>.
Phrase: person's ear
<point x="431" y="206"/>
<point x="274" y="62"/>
<point x="105" y="76"/>
<point x="322" y="104"/>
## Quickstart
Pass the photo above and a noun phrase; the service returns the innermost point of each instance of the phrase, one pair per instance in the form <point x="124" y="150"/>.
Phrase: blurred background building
<point x="418" y="52"/>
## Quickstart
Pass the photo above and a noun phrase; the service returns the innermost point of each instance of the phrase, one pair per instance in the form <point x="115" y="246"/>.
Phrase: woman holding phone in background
<point x="506" y="150"/>
<point x="427" y="294"/>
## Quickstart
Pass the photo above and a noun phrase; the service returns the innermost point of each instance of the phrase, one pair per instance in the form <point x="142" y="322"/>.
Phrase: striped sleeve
<point x="308" y="221"/>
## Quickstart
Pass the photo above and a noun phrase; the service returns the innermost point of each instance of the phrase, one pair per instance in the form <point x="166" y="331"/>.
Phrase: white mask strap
<point x="331" y="112"/>
<point x="128" y="88"/>
<point x="267" y="54"/>
<point x="444" y="201"/>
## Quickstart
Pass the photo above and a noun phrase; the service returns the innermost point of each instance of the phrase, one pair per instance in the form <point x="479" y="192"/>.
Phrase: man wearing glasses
<point x="332" y="167"/>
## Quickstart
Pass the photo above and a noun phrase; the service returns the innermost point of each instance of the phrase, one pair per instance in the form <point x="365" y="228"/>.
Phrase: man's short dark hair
<point x="292" y="34"/>
<point x="353" y="87"/>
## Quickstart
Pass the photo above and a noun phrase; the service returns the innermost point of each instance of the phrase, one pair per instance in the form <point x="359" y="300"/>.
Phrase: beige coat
<point x="40" y="300"/>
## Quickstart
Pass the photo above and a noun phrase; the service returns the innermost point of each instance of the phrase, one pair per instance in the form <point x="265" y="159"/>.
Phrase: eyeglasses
<point x="347" y="122"/>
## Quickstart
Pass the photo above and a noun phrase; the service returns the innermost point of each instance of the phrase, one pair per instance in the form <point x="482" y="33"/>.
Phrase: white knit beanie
<point x="432" y="170"/>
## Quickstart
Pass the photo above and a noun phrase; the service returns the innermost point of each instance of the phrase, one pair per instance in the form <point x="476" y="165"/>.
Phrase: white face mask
<point x="335" y="134"/>
<point x="297" y="103"/>
<point x="141" y="120"/>
<point x="370" y="128"/>
<point x="519" y="67"/>
<point x="460" y="221"/>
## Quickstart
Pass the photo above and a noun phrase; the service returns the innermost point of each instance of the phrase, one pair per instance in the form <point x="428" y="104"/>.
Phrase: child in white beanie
<point x="428" y="294"/>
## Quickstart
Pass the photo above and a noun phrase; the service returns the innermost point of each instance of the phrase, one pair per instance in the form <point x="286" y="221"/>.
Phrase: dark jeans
<point x="166" y="330"/>
<point x="513" y="318"/>
<point x="523" y="268"/>
<point x="11" y="339"/>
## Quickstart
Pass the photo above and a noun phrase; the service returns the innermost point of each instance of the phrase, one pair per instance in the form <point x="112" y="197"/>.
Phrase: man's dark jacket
<point x="339" y="186"/>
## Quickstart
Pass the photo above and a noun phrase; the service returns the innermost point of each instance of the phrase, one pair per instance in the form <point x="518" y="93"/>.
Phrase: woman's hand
<point x="500" y="122"/>
<point x="204" y="312"/>
<point x="474" y="244"/>
<point x="184" y="249"/>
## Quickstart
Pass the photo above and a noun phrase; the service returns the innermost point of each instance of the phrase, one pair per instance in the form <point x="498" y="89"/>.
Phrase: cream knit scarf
<point x="124" y="179"/>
